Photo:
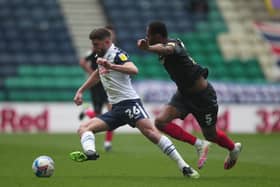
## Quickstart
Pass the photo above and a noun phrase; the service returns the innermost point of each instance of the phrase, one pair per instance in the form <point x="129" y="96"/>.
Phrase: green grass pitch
<point x="134" y="161"/>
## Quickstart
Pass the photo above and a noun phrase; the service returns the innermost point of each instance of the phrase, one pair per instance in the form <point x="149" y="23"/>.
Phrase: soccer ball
<point x="43" y="166"/>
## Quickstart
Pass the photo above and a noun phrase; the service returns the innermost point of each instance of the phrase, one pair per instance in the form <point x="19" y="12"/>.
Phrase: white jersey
<point x="116" y="84"/>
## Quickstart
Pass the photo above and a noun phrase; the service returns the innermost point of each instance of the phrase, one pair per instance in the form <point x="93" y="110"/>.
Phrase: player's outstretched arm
<point x="160" y="48"/>
<point x="127" y="67"/>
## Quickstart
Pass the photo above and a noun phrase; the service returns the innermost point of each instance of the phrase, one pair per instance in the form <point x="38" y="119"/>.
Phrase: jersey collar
<point x="109" y="50"/>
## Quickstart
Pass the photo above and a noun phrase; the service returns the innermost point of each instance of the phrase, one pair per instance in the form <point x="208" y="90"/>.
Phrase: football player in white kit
<point x="114" y="70"/>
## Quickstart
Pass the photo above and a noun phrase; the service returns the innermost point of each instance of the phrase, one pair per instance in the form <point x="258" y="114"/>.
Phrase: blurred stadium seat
<point x="34" y="34"/>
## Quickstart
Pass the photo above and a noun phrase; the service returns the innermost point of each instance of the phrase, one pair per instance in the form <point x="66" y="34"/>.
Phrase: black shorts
<point x="98" y="97"/>
<point x="203" y="105"/>
<point x="124" y="112"/>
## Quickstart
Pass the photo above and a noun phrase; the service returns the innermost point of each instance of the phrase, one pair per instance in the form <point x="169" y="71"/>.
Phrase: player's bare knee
<point x="80" y="131"/>
<point x="83" y="128"/>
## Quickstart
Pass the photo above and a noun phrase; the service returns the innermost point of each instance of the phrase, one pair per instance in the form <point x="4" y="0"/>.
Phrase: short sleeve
<point x="178" y="46"/>
<point x="121" y="58"/>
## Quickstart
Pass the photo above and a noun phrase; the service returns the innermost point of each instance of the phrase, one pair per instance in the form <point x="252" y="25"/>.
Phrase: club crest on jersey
<point x="123" y="57"/>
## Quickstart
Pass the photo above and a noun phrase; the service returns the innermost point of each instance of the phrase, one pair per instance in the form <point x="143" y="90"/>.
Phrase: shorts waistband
<point x="124" y="102"/>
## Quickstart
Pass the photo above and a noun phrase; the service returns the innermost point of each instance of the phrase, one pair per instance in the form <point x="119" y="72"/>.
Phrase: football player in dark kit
<point x="194" y="93"/>
<point x="97" y="92"/>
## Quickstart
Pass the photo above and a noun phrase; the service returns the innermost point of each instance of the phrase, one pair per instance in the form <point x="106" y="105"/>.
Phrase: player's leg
<point x="133" y="113"/>
<point x="176" y="109"/>
<point x="217" y="135"/>
<point x="100" y="99"/>
<point x="207" y="121"/>
<point x="108" y="141"/>
<point x="87" y="111"/>
<point x="89" y="144"/>
<point x="86" y="132"/>
<point x="167" y="147"/>
<point x="164" y="123"/>
<point x="98" y="105"/>
<point x="220" y="138"/>
<point x="109" y="134"/>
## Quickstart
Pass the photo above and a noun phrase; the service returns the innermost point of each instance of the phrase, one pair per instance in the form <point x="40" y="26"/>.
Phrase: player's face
<point x="99" y="47"/>
<point x="150" y="37"/>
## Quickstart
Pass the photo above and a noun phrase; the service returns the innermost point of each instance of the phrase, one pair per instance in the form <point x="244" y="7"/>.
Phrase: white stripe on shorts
<point x="142" y="110"/>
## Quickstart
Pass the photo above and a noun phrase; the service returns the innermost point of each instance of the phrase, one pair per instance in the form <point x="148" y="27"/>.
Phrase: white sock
<point x="88" y="141"/>
<point x="169" y="149"/>
<point x="198" y="142"/>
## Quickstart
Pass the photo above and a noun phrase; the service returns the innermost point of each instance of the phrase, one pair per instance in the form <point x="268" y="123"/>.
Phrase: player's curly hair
<point x="158" y="27"/>
<point x="99" y="34"/>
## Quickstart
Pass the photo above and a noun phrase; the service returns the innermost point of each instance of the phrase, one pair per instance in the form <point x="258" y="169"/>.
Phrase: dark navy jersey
<point x="92" y="57"/>
<point x="182" y="69"/>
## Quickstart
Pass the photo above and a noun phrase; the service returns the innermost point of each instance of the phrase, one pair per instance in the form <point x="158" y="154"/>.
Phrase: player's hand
<point x="143" y="44"/>
<point x="78" y="99"/>
<point x="104" y="62"/>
